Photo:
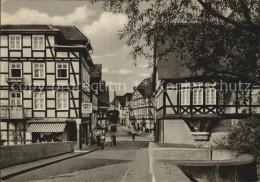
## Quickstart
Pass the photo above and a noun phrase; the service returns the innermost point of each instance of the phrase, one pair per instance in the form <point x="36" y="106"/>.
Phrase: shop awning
<point x="47" y="127"/>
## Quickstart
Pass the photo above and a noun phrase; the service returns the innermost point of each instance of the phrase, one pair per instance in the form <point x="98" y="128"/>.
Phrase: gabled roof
<point x="128" y="96"/>
<point x="172" y="69"/>
<point x="28" y="27"/>
<point x="121" y="99"/>
<point x="68" y="33"/>
<point x="146" y="87"/>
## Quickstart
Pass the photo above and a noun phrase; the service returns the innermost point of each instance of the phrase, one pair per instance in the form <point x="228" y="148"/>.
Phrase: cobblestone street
<point x="128" y="161"/>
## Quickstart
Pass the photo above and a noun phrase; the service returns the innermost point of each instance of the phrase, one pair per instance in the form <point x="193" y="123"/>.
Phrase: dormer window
<point x="38" y="42"/>
<point x="15" y="42"/>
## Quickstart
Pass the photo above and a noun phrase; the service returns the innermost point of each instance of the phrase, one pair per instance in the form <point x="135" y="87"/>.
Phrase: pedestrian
<point x="133" y="136"/>
<point x="113" y="139"/>
<point x="102" y="141"/>
<point x="98" y="139"/>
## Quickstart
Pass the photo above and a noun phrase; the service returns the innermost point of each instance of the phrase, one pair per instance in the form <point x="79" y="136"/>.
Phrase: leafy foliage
<point x="220" y="36"/>
<point x="243" y="137"/>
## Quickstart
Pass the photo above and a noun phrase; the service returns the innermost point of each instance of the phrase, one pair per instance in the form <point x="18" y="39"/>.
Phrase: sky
<point x="99" y="26"/>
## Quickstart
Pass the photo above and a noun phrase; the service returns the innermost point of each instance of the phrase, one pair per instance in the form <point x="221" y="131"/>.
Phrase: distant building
<point x="141" y="109"/>
<point x="127" y="106"/>
<point x="103" y="104"/>
<point x="96" y="76"/>
<point x="45" y="78"/>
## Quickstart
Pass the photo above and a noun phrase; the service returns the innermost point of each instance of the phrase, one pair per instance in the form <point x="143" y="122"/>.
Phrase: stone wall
<point x="17" y="154"/>
<point x="177" y="131"/>
<point x="200" y="164"/>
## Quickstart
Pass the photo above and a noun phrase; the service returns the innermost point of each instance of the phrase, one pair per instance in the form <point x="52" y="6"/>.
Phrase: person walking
<point x="133" y="136"/>
<point x="102" y="141"/>
<point x="113" y="139"/>
<point x="98" y="139"/>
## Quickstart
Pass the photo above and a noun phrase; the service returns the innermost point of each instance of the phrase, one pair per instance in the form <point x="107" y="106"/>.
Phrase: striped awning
<point x="47" y="127"/>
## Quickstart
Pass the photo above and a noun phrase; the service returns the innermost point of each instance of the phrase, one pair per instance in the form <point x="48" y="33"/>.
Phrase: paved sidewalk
<point x="25" y="167"/>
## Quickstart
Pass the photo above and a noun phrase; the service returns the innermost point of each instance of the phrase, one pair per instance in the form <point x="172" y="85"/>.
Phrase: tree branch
<point x="251" y="28"/>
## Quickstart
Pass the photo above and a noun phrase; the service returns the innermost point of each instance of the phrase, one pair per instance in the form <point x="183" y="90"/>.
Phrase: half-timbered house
<point x="45" y="76"/>
<point x="194" y="106"/>
<point x="128" y="97"/>
<point x="142" y="106"/>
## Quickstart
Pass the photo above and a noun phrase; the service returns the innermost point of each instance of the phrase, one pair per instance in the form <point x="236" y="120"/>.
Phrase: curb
<point x="43" y="165"/>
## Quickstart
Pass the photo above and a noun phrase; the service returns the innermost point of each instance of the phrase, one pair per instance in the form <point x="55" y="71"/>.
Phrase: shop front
<point x="52" y="130"/>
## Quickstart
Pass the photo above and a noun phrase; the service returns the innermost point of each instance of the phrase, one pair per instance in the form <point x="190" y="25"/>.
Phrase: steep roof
<point x="121" y="99"/>
<point x="69" y="33"/>
<point x="172" y="69"/>
<point x="30" y="27"/>
<point x="146" y="87"/>
<point x="129" y="96"/>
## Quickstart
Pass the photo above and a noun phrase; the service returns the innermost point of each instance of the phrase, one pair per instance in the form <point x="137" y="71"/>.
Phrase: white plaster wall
<point x="27" y="67"/>
<point x="38" y="54"/>
<point x="4" y="66"/>
<point x="4" y="52"/>
<point x="27" y="52"/>
<point x="51" y="113"/>
<point x="15" y="54"/>
<point x="26" y="40"/>
<point x="4" y="40"/>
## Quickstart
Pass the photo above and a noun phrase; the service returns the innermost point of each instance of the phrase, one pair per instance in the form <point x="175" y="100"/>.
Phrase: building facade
<point x="103" y="104"/>
<point x="141" y="111"/>
<point x="45" y="77"/>
<point x="193" y="107"/>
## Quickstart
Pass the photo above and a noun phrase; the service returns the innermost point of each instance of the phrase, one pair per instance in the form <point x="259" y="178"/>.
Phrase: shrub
<point x="243" y="137"/>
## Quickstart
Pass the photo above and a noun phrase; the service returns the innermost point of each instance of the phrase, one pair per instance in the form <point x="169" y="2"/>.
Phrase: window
<point x="15" y="42"/>
<point x="15" y="98"/>
<point x="38" y="42"/>
<point x="198" y="94"/>
<point x="62" y="70"/>
<point x="62" y="100"/>
<point x="211" y="96"/>
<point x="38" y="70"/>
<point x="39" y="101"/>
<point x="185" y="94"/>
<point x="15" y="70"/>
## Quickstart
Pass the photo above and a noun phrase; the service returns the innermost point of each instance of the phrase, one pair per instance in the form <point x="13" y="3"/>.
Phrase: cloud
<point x="103" y="33"/>
<point x="105" y="70"/>
<point x="117" y="72"/>
<point x="142" y="65"/>
<point x="32" y="16"/>
<point x="144" y="74"/>
<point x="104" y="56"/>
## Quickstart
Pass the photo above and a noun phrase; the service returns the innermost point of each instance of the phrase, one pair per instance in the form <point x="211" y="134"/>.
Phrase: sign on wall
<point x="86" y="108"/>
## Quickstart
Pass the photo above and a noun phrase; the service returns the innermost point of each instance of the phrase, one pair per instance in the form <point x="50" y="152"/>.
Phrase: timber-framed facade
<point x="141" y="110"/>
<point x="45" y="77"/>
<point x="194" y="107"/>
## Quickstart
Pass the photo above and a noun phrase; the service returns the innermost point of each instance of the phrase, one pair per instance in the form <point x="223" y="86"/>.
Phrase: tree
<point x="243" y="137"/>
<point x="222" y="36"/>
